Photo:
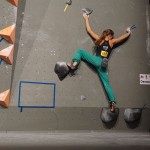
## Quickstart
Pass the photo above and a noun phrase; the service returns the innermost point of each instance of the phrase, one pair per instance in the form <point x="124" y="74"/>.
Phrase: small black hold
<point x="69" y="2"/>
<point x="87" y="11"/>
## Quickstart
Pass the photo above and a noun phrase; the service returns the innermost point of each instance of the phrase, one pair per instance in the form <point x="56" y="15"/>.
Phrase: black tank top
<point x="104" y="50"/>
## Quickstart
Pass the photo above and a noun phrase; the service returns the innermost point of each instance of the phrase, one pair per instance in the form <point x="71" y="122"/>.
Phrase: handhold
<point x="108" y="116"/>
<point x="8" y="33"/>
<point x="5" y="98"/>
<point x="87" y="11"/>
<point x="132" y="27"/>
<point x="68" y="2"/>
<point x="7" y="54"/>
<point x="83" y="97"/>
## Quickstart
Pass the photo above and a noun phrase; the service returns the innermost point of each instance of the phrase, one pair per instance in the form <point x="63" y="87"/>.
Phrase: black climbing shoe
<point x="72" y="69"/>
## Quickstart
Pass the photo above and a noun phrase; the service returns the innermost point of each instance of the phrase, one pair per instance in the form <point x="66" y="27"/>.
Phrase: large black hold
<point x="108" y="116"/>
<point x="133" y="114"/>
<point x="61" y="69"/>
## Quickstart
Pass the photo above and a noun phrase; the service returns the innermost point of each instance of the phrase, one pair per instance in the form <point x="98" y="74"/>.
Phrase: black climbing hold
<point x="133" y="114"/>
<point x="69" y="2"/>
<point x="87" y="11"/>
<point x="61" y="69"/>
<point x="132" y="27"/>
<point x="108" y="116"/>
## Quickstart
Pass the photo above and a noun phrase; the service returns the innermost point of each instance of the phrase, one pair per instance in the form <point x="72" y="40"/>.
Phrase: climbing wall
<point x="7" y="39"/>
<point x="46" y="34"/>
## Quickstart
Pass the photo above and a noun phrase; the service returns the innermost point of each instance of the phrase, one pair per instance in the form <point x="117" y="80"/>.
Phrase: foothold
<point x="13" y="2"/>
<point x="133" y="114"/>
<point x="68" y="2"/>
<point x="83" y="97"/>
<point x="61" y="69"/>
<point x="87" y="11"/>
<point x="7" y="54"/>
<point x="8" y="33"/>
<point x="5" y="98"/>
<point x="108" y="116"/>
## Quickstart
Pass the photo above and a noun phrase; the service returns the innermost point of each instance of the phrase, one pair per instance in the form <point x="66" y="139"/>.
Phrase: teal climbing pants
<point x="96" y="61"/>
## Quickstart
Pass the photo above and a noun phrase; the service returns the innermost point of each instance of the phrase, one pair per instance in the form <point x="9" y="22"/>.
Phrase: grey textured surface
<point x="67" y="118"/>
<point x="45" y="35"/>
<point x="71" y="141"/>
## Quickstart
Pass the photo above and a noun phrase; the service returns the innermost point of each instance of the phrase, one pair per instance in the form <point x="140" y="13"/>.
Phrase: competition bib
<point x="104" y="53"/>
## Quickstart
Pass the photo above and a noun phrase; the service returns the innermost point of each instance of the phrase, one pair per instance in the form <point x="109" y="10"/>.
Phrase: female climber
<point x="105" y="43"/>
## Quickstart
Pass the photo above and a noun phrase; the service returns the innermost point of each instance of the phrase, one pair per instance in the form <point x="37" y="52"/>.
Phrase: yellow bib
<point x="104" y="53"/>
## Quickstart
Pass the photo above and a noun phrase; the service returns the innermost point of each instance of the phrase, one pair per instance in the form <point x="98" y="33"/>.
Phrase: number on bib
<point x="104" y="53"/>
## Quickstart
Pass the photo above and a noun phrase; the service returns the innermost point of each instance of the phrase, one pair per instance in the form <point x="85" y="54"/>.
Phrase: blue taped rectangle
<point x="44" y="83"/>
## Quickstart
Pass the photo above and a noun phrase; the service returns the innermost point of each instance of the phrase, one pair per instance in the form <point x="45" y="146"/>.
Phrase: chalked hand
<point x="85" y="16"/>
<point x="128" y="30"/>
<point x="87" y="11"/>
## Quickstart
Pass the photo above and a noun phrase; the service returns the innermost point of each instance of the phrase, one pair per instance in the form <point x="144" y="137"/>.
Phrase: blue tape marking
<point x="54" y="96"/>
<point x="28" y="82"/>
<point x="37" y="82"/>
<point x="19" y="94"/>
<point x="36" y="107"/>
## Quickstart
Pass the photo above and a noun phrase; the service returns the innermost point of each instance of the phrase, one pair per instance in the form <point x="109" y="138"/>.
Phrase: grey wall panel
<point x="46" y="35"/>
